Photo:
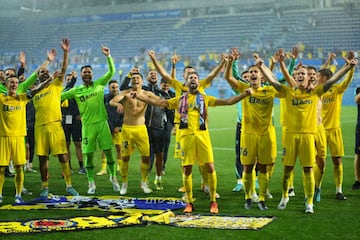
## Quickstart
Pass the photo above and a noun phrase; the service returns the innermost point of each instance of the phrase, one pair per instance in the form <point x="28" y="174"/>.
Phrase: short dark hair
<point x="326" y="73"/>
<point x="137" y="73"/>
<point x="188" y="66"/>
<point x="112" y="81"/>
<point x="244" y="72"/>
<point x="310" y="67"/>
<point x="85" y="66"/>
<point x="12" y="69"/>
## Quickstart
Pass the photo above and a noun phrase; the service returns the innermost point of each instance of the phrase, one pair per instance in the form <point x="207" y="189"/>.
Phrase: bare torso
<point x="134" y="109"/>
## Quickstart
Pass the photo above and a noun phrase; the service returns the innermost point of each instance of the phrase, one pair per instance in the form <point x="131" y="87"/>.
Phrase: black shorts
<point x="73" y="130"/>
<point x="156" y="139"/>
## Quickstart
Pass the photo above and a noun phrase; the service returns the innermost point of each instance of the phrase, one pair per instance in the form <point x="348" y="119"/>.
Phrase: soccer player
<point x="256" y="143"/>
<point x="319" y="137"/>
<point x="95" y="128"/>
<point x="300" y="129"/>
<point x="72" y="123"/>
<point x="12" y="133"/>
<point x="195" y="138"/>
<point x="134" y="133"/>
<point x="356" y="185"/>
<point x="331" y="110"/>
<point x="179" y="88"/>
<point x="155" y="120"/>
<point x="49" y="133"/>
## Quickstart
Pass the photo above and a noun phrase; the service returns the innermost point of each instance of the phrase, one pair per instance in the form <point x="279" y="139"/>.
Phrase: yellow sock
<point x="247" y="181"/>
<point x="103" y="164"/>
<point x="285" y="184"/>
<point x="124" y="169"/>
<point x="144" y="168"/>
<point x="45" y="184"/>
<point x="118" y="161"/>
<point x="65" y="167"/>
<point x="263" y="185"/>
<point x="188" y="184"/>
<point x="338" y="174"/>
<point x="309" y="186"/>
<point x="2" y="179"/>
<point x="291" y="179"/>
<point x="19" y="179"/>
<point x="212" y="181"/>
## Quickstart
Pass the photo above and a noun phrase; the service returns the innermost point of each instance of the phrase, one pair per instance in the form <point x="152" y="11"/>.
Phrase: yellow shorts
<point x="50" y="138"/>
<point x="320" y="142"/>
<point x="272" y="133"/>
<point x="12" y="148"/>
<point x="135" y="136"/>
<point x="302" y="145"/>
<point x="177" y="147"/>
<point x="196" y="147"/>
<point x="256" y="148"/>
<point x="116" y="138"/>
<point x="334" y="140"/>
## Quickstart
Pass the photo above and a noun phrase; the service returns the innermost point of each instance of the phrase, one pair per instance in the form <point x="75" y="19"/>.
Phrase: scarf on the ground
<point x="183" y="110"/>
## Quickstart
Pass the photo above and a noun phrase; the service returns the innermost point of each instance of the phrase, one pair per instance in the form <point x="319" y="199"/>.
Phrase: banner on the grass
<point x="104" y="203"/>
<point x="220" y="222"/>
<point x="125" y="219"/>
<point x="70" y="224"/>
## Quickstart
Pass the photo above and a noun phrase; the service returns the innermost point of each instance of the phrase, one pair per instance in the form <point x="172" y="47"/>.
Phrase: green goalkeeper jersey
<point x="90" y="99"/>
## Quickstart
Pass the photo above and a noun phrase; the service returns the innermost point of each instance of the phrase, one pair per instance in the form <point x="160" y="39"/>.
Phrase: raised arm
<point x="25" y="85"/>
<point x="234" y="99"/>
<point x="349" y="77"/>
<point x="22" y="60"/>
<point x="267" y="73"/>
<point x="165" y="75"/>
<point x="174" y="59"/>
<point x="331" y="57"/>
<point x="273" y="60"/>
<point x="229" y="73"/>
<point x="150" y="98"/>
<point x="217" y="69"/>
<point x="349" y="64"/>
<point x="65" y="45"/>
<point x="289" y="79"/>
<point x="111" y="67"/>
